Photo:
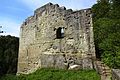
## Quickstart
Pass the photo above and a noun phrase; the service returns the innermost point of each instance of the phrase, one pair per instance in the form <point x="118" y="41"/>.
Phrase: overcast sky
<point x="14" y="12"/>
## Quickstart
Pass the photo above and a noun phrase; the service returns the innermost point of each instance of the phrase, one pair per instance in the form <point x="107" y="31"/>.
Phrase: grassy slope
<point x="55" y="74"/>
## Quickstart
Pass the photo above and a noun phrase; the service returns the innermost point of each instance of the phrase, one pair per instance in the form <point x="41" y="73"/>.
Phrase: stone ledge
<point x="115" y="74"/>
<point x="103" y="70"/>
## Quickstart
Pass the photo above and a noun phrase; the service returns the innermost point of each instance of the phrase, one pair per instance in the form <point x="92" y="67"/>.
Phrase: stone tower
<point x="56" y="37"/>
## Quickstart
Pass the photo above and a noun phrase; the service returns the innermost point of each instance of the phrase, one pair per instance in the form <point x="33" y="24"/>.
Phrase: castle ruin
<point x="56" y="37"/>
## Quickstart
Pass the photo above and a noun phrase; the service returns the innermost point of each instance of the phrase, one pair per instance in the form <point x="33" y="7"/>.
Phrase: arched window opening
<point x="60" y="33"/>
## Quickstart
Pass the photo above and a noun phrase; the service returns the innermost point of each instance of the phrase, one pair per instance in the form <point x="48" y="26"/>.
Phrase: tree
<point x="8" y="54"/>
<point x="106" y="26"/>
<point x="115" y="9"/>
<point x="101" y="9"/>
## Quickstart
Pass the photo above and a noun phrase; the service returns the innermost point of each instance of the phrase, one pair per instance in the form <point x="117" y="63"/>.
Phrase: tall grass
<point x="55" y="74"/>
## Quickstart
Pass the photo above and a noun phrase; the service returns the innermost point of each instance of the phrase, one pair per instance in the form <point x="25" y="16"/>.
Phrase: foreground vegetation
<point x="9" y="46"/>
<point x="55" y="74"/>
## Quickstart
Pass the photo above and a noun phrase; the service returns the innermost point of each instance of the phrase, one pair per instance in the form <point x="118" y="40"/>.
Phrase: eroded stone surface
<point x="40" y="45"/>
<point x="115" y="74"/>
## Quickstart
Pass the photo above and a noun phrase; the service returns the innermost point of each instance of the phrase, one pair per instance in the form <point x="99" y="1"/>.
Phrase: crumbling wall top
<point x="38" y="11"/>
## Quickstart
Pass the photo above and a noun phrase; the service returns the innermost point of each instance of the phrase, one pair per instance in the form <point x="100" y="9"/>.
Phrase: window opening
<point x="60" y="33"/>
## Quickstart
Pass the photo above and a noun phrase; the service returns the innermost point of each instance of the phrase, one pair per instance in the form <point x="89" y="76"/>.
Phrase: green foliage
<point x="8" y="54"/>
<point x="111" y="50"/>
<point x="107" y="33"/>
<point x="55" y="74"/>
<point x="115" y="9"/>
<point x="101" y="9"/>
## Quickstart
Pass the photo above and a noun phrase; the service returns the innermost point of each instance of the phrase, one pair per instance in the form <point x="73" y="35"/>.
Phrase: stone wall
<point x="40" y="47"/>
<point x="103" y="70"/>
<point x="115" y="74"/>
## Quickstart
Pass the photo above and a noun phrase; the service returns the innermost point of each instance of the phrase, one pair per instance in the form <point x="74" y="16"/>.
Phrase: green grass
<point x="55" y="74"/>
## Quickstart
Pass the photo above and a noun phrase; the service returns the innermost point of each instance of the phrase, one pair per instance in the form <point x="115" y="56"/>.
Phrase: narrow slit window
<point x="60" y="33"/>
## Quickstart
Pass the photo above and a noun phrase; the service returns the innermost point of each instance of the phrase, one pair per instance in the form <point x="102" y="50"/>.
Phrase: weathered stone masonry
<point x="56" y="37"/>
